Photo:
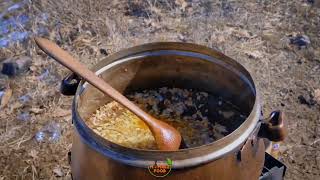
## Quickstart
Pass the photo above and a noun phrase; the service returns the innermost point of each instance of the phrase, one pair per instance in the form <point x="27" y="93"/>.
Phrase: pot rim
<point x="184" y="157"/>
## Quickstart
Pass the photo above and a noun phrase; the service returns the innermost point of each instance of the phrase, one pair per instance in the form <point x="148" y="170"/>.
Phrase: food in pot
<point x="201" y="118"/>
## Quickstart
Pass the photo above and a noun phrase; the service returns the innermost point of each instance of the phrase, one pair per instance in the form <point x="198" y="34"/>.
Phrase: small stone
<point x="104" y="52"/>
<point x="40" y="136"/>
<point x="307" y="100"/>
<point x="58" y="172"/>
<point x="14" y="67"/>
<point x="24" y="116"/>
<point x="302" y="99"/>
<point x="25" y="98"/>
<point x="300" y="41"/>
<point x="33" y="68"/>
<point x="50" y="132"/>
<point x="181" y="38"/>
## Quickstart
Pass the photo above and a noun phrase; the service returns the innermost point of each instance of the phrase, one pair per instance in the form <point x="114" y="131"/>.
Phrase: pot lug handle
<point x="273" y="127"/>
<point x="69" y="84"/>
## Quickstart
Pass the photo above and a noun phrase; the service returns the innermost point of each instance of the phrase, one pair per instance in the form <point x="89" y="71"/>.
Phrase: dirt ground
<point x="262" y="35"/>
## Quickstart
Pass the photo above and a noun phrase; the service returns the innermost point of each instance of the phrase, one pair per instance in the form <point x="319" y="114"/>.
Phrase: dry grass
<point x="256" y="33"/>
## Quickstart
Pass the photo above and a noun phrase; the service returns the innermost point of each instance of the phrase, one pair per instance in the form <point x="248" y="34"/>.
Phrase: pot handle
<point x="273" y="127"/>
<point x="69" y="84"/>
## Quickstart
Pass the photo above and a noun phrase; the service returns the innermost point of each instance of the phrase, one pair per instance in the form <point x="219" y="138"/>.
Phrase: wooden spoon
<point x="167" y="137"/>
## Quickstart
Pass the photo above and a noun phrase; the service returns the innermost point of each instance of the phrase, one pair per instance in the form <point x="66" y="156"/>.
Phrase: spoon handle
<point x="167" y="137"/>
<point x="68" y="61"/>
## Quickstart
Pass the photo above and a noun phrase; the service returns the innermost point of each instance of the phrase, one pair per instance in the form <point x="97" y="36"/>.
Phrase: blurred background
<point x="277" y="41"/>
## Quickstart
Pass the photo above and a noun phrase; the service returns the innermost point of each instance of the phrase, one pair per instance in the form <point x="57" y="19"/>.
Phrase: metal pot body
<point x="239" y="155"/>
<point x="244" y="164"/>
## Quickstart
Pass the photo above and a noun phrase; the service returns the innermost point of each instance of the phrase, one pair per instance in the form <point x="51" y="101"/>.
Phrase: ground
<point x="261" y="35"/>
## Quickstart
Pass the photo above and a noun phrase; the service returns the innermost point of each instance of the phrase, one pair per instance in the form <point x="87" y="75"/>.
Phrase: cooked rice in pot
<point x="185" y="109"/>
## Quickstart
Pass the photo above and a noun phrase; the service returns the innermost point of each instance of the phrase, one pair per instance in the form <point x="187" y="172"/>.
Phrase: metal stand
<point x="273" y="169"/>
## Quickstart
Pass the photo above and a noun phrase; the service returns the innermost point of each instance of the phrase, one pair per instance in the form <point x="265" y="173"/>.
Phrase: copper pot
<point x="239" y="155"/>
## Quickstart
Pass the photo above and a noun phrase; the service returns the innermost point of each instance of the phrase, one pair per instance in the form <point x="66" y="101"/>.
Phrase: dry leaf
<point x="6" y="97"/>
<point x="33" y="68"/>
<point x="57" y="172"/>
<point x="34" y="169"/>
<point x="182" y="3"/>
<point x="240" y="33"/>
<point x="33" y="153"/>
<point x="61" y="112"/>
<point x="254" y="54"/>
<point x="227" y="114"/>
<point x="219" y="38"/>
<point x="15" y="105"/>
<point x="36" y="110"/>
<point x="67" y="118"/>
